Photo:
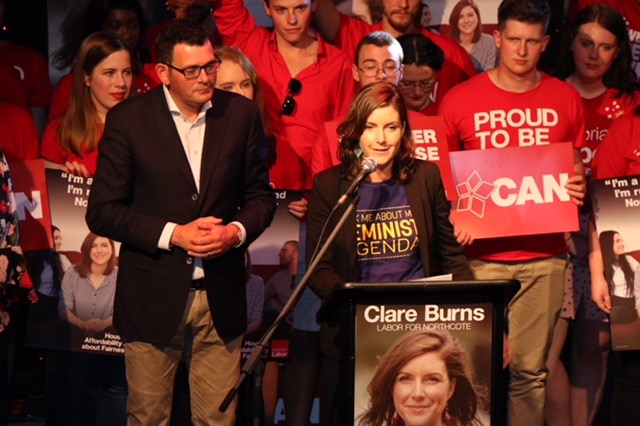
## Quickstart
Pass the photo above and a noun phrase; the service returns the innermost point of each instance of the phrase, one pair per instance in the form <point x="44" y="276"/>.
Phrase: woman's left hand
<point x="299" y="208"/>
<point x="462" y="237"/>
<point x="76" y="169"/>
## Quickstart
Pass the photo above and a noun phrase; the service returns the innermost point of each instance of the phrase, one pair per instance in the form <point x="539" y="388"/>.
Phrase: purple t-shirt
<point x="386" y="235"/>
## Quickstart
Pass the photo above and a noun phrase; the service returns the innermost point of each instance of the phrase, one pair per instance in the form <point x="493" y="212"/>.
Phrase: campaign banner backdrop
<point x="284" y="227"/>
<point x="69" y="196"/>
<point x="430" y="144"/>
<point x="514" y="191"/>
<point x="378" y="326"/>
<point x="46" y="328"/>
<point x="32" y="199"/>
<point x="616" y="208"/>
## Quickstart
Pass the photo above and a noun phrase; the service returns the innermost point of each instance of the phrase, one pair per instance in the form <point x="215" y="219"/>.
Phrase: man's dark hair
<point x="420" y="50"/>
<point x="379" y="39"/>
<point x="178" y="31"/>
<point x="528" y="11"/>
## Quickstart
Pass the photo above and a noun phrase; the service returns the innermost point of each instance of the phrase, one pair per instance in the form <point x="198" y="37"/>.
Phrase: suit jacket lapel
<point x="348" y="232"/>
<point x="418" y="196"/>
<point x="214" y="137"/>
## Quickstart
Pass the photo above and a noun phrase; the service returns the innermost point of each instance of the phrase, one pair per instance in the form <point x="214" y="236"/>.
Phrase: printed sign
<point x="379" y="327"/>
<point x="514" y="191"/>
<point x="284" y="227"/>
<point x="32" y="199"/>
<point x="616" y="206"/>
<point x="49" y="325"/>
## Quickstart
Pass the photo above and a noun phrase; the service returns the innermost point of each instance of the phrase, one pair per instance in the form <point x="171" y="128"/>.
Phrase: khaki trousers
<point x="213" y="365"/>
<point x="533" y="313"/>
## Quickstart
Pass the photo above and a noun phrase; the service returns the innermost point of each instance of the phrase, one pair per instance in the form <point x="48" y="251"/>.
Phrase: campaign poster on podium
<point x="379" y="326"/>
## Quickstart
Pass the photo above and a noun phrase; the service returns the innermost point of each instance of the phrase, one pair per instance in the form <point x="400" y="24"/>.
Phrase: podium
<point x="373" y="315"/>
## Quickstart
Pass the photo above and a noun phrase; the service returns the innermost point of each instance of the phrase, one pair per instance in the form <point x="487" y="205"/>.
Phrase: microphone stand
<point x="256" y="354"/>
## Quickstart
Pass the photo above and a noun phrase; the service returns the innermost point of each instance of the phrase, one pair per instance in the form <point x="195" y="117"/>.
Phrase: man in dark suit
<point x="182" y="183"/>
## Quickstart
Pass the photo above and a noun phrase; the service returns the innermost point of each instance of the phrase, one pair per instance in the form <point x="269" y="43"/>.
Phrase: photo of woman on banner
<point x="403" y="193"/>
<point x="622" y="273"/>
<point x="47" y="269"/>
<point x="94" y="379"/>
<point x="424" y="379"/>
<point x="88" y="288"/>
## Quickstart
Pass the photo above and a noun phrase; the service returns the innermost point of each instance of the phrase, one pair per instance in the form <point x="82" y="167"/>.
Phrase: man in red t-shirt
<point x="515" y="105"/>
<point x="398" y="18"/>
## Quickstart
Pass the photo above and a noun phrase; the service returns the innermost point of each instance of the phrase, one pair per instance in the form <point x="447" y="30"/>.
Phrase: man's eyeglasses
<point x="389" y="70"/>
<point x="192" y="73"/>
<point x="289" y="104"/>
<point x="424" y="85"/>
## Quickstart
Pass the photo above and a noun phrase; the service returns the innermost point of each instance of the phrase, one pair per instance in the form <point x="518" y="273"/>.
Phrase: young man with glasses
<point x="398" y="18"/>
<point x="379" y="57"/>
<point x="538" y="261"/>
<point x="306" y="80"/>
<point x="182" y="183"/>
<point x="423" y="61"/>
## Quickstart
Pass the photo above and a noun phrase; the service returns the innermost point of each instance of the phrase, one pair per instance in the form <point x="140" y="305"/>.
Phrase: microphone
<point x="368" y="166"/>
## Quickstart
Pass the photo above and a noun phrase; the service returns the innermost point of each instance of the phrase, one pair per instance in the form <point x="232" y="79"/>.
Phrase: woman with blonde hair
<point x="237" y="74"/>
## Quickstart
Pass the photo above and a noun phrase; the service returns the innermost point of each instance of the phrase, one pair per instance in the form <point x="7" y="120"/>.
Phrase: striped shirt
<point x="85" y="301"/>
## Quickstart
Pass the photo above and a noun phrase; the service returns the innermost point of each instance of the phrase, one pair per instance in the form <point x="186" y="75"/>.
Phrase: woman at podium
<point x="399" y="229"/>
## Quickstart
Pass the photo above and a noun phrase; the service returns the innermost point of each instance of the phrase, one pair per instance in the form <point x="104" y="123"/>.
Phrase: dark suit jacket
<point x="144" y="181"/>
<point x="439" y="249"/>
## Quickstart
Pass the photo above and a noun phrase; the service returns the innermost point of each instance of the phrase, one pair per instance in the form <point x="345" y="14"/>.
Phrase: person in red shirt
<point x="33" y="70"/>
<point x="103" y="78"/>
<point x="123" y="18"/>
<point x="538" y="261"/>
<point x="306" y="80"/>
<point x="398" y="18"/>
<point x="596" y="62"/>
<point x="423" y="61"/>
<point x="20" y="140"/>
<point x="630" y="10"/>
<point x="12" y="89"/>
<point x="379" y="57"/>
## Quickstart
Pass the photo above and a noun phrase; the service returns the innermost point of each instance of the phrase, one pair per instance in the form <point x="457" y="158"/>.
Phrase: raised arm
<point x="234" y="22"/>
<point x="327" y="19"/>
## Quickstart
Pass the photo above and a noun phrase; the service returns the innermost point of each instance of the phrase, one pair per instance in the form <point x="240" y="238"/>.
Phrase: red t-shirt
<point x="12" y="89"/>
<point x="630" y="10"/>
<point x="619" y="153"/>
<point x="480" y="115"/>
<point x="457" y="66"/>
<point x="327" y="90"/>
<point x="33" y="69"/>
<point x="52" y="150"/>
<point x="20" y="139"/>
<point x="599" y="114"/>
